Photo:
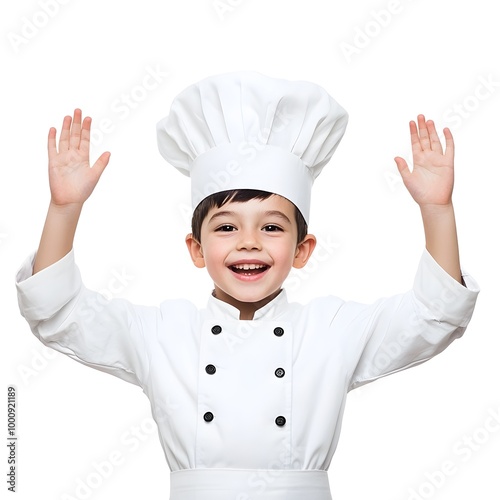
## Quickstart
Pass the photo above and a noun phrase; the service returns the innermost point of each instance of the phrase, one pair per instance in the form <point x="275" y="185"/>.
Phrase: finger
<point x="416" y="147"/>
<point x="450" y="144"/>
<point x="100" y="164"/>
<point x="402" y="167"/>
<point x="74" y="138"/>
<point x="433" y="136"/>
<point x="51" y="144"/>
<point x="423" y="133"/>
<point x="85" y="137"/>
<point x="64" y="139"/>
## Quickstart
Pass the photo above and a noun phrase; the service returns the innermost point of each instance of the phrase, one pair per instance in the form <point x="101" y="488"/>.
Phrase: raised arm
<point x="396" y="333"/>
<point x="430" y="183"/>
<point x="72" y="181"/>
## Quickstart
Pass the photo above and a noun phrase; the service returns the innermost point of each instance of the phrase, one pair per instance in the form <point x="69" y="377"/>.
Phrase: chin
<point x="255" y="297"/>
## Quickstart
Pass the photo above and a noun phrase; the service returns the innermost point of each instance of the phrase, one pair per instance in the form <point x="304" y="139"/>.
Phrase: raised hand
<point x="430" y="183"/>
<point x="72" y="181"/>
<point x="71" y="178"/>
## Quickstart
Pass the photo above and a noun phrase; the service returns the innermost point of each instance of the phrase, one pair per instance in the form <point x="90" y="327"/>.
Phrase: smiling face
<point x="249" y="249"/>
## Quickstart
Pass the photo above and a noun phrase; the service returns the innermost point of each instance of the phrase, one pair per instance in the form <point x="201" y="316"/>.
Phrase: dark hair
<point x="237" y="195"/>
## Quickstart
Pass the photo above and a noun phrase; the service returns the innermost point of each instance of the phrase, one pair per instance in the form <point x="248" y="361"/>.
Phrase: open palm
<point x="431" y="180"/>
<point x="71" y="178"/>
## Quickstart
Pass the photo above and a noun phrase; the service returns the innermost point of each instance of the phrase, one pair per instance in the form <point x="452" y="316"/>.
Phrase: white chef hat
<point x="245" y="130"/>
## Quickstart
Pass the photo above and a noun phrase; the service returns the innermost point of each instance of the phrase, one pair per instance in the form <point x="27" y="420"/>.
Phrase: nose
<point x="249" y="240"/>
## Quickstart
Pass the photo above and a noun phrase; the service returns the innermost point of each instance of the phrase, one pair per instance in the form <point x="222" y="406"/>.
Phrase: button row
<point x="278" y="331"/>
<point x="279" y="372"/>
<point x="280" y="421"/>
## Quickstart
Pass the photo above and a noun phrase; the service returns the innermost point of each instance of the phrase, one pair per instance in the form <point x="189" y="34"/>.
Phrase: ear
<point x="195" y="250"/>
<point x="304" y="250"/>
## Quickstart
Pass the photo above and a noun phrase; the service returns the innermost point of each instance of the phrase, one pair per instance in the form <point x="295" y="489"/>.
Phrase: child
<point x="248" y="393"/>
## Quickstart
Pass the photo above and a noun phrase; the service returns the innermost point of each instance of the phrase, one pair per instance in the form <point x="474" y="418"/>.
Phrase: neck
<point x="247" y="309"/>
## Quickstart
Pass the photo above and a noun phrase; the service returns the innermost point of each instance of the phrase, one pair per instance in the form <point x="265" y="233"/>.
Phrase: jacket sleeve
<point x="63" y="314"/>
<point x="399" y="332"/>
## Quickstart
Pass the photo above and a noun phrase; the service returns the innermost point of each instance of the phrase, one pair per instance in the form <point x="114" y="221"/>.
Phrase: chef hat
<point x="245" y="130"/>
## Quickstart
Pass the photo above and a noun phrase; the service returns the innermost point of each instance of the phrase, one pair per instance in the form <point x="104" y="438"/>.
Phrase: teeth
<point x="246" y="267"/>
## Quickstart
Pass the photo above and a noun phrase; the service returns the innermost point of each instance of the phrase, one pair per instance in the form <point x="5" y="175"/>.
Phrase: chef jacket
<point x="247" y="409"/>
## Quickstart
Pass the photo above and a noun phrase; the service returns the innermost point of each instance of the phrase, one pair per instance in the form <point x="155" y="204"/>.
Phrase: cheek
<point x="285" y="253"/>
<point x="214" y="254"/>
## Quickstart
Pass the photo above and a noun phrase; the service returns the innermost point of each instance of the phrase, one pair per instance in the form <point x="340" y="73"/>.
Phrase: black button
<point x="279" y="372"/>
<point x="278" y="331"/>
<point x="210" y="369"/>
<point x="209" y="416"/>
<point x="280" y="421"/>
<point x="216" y="329"/>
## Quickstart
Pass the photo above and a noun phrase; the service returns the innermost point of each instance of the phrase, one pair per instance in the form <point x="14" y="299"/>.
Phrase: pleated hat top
<point x="245" y="130"/>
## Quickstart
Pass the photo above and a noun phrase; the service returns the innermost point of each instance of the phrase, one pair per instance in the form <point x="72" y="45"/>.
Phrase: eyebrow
<point x="268" y="213"/>
<point x="277" y="213"/>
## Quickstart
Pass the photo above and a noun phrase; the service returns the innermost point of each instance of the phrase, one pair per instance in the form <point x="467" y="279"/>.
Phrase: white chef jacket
<point x="247" y="409"/>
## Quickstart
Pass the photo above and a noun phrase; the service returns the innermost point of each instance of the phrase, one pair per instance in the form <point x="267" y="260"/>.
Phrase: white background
<point x="419" y="56"/>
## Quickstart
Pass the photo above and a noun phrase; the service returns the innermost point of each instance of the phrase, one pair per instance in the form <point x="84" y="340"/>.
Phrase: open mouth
<point x="249" y="269"/>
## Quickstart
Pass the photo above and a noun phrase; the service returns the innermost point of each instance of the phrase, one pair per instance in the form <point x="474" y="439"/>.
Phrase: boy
<point x="249" y="393"/>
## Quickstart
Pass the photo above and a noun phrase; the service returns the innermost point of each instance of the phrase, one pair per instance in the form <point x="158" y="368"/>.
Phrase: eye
<point x="271" y="228"/>
<point x="226" y="228"/>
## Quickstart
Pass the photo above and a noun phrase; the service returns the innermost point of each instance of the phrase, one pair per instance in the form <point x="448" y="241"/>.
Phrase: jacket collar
<point x="272" y="310"/>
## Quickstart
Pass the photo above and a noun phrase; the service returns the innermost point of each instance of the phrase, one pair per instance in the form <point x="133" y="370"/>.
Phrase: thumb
<point x="402" y="167"/>
<point x="101" y="164"/>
